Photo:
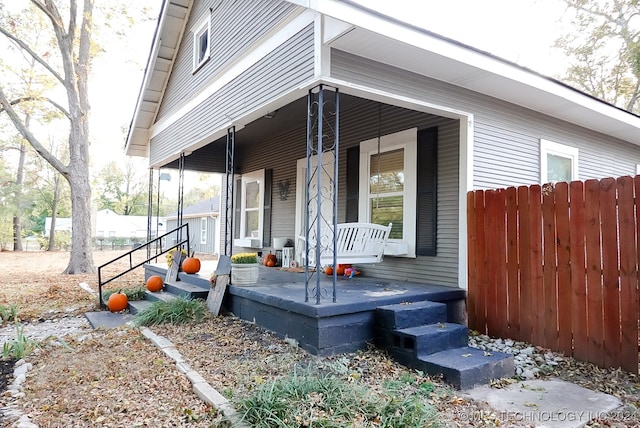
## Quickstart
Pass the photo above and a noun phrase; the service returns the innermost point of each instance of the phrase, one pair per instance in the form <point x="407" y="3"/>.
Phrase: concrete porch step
<point x="171" y="291"/>
<point x="186" y="289"/>
<point x="429" y="339"/>
<point x="136" y="306"/>
<point x="153" y="296"/>
<point x="405" y="315"/>
<point x="466" y="367"/>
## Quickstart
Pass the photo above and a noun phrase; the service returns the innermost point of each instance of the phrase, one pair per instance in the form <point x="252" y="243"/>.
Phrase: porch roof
<point x="354" y="28"/>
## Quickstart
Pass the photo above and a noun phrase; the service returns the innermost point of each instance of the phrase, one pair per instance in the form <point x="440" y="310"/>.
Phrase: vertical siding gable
<point x="235" y="27"/>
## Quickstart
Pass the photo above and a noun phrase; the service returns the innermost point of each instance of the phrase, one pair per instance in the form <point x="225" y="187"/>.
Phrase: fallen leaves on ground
<point x="117" y="378"/>
<point x="110" y="378"/>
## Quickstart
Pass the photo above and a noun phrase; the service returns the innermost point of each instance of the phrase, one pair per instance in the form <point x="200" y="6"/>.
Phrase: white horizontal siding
<point x="283" y="69"/>
<point x="235" y="27"/>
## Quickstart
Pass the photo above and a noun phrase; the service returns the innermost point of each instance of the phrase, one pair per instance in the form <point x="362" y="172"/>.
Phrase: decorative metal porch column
<point x="181" y="195"/>
<point x="321" y="190"/>
<point x="228" y="211"/>
<point x="149" y="211"/>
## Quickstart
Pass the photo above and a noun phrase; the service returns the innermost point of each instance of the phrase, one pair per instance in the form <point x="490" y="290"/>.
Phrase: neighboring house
<point x="62" y="225"/>
<point x="422" y="121"/>
<point x="204" y="225"/>
<point x="109" y="224"/>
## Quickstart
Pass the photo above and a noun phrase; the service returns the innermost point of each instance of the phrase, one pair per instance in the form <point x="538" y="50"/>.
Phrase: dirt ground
<point x="117" y="378"/>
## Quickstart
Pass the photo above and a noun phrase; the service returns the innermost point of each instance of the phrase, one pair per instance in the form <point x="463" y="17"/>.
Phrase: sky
<point x="521" y="31"/>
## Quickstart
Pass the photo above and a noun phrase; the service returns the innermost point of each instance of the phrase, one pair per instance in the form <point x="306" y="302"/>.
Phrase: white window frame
<point x="202" y="27"/>
<point x="203" y="230"/>
<point x="549" y="147"/>
<point x="245" y="239"/>
<point x="408" y="141"/>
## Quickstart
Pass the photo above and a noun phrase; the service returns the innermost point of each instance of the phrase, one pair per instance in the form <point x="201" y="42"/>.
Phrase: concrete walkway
<point x="547" y="403"/>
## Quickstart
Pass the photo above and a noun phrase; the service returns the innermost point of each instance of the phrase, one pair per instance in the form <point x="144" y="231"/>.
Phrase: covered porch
<point x="273" y="151"/>
<point x="277" y="303"/>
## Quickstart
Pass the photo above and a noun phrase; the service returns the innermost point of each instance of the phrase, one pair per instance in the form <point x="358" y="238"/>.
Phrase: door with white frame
<point x="326" y="206"/>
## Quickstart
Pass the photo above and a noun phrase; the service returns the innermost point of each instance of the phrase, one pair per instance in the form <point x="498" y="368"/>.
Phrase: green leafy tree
<point x="28" y="80"/>
<point x="123" y="191"/>
<point x="603" y="49"/>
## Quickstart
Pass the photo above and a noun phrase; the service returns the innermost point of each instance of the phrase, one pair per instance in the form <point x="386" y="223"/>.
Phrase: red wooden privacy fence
<point x="557" y="266"/>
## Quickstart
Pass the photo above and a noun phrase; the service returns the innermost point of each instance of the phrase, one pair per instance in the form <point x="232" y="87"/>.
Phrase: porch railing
<point x="146" y="247"/>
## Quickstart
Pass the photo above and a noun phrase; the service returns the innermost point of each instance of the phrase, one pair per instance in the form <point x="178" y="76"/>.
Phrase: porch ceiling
<point x="211" y="158"/>
<point x="293" y="116"/>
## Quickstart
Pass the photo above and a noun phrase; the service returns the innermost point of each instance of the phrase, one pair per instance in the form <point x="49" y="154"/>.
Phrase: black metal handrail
<point x="180" y="244"/>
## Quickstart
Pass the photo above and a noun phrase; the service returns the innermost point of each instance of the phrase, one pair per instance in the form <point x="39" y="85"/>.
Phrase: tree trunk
<point x="54" y="213"/>
<point x="17" y="216"/>
<point x="81" y="257"/>
<point x="76" y="73"/>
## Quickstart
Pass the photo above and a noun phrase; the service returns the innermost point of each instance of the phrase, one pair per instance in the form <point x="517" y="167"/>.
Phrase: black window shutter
<point x="266" y="219"/>
<point x="353" y="172"/>
<point x="426" y="204"/>
<point x="237" y="188"/>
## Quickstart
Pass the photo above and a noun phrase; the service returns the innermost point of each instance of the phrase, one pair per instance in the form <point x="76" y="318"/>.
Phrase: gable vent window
<point x="201" y="44"/>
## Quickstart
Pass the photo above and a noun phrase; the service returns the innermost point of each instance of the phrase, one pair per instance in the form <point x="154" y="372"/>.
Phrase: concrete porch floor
<point x="277" y="303"/>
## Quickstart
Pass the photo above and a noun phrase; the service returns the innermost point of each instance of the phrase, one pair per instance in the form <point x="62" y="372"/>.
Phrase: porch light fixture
<point x="271" y="114"/>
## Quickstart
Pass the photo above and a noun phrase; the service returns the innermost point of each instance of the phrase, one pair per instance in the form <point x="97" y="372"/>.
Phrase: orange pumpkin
<point x="155" y="283"/>
<point x="341" y="268"/>
<point x="328" y="270"/>
<point x="191" y="265"/>
<point x="270" y="263"/>
<point x="117" y="302"/>
<point x="269" y="258"/>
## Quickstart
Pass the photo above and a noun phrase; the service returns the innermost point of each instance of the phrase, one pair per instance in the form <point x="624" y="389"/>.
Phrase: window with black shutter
<point x="426" y="198"/>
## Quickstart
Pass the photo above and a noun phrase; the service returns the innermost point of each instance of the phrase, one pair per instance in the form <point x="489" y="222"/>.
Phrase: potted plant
<point x="169" y="256"/>
<point x="244" y="268"/>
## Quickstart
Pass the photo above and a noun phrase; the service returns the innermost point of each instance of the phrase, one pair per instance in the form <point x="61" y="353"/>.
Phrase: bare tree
<point x="604" y="50"/>
<point x="72" y="55"/>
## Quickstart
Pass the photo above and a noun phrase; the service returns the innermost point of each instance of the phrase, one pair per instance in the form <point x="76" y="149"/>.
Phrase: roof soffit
<point x="171" y="26"/>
